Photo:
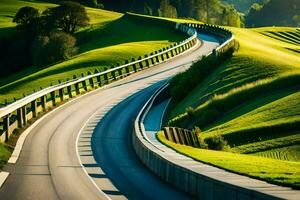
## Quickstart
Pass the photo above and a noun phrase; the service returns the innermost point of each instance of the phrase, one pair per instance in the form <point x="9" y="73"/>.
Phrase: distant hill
<point x="275" y="13"/>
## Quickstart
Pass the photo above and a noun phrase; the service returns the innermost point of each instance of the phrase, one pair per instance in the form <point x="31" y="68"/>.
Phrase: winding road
<point x="69" y="155"/>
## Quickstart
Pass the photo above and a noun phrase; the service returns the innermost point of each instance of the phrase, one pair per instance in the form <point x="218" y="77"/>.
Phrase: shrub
<point x="201" y="140"/>
<point x="182" y="84"/>
<point x="190" y="112"/>
<point x="57" y="47"/>
<point x="222" y="103"/>
<point x="216" y="142"/>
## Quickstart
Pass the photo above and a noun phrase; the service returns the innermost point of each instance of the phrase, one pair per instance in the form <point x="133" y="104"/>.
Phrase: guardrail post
<point x="140" y="63"/>
<point x="176" y="51"/>
<point x="120" y="71"/>
<point x="77" y="89"/>
<point x="6" y="126"/>
<point x="61" y="94"/>
<point x="127" y="70"/>
<point x="162" y="56"/>
<point x="147" y="61"/>
<point x="172" y="52"/>
<point x="24" y="113"/>
<point x="157" y="60"/>
<point x="113" y="74"/>
<point x="34" y="108"/>
<point x="152" y="59"/>
<point x="186" y="46"/>
<point x="106" y="81"/>
<point x="43" y="102"/>
<point x="20" y="117"/>
<point x="98" y="78"/>
<point x="69" y="89"/>
<point x="91" y="81"/>
<point x="53" y="98"/>
<point x="167" y="54"/>
<point x="181" y="49"/>
<point x="84" y="85"/>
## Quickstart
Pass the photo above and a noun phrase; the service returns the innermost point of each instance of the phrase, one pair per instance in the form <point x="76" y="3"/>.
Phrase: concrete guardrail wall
<point x="186" y="178"/>
<point x="177" y="174"/>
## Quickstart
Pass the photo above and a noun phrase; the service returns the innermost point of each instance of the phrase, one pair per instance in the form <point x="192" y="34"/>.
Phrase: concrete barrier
<point x="195" y="178"/>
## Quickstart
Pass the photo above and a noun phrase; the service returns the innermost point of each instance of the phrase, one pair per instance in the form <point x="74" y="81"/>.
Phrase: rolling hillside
<point x="252" y="100"/>
<point x="112" y="38"/>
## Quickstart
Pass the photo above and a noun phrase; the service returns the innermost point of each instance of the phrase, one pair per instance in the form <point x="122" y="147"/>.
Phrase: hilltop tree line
<point x="208" y="11"/>
<point x="274" y="12"/>
<point x="239" y="13"/>
<point x="42" y="38"/>
<point x="243" y="6"/>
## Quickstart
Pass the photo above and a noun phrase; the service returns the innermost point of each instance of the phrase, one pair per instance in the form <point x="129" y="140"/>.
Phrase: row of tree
<point x="42" y="38"/>
<point x="209" y="11"/>
<point x="243" y="6"/>
<point x="274" y="12"/>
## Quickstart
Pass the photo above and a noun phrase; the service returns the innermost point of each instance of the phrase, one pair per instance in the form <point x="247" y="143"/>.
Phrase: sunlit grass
<point x="270" y="170"/>
<point x="110" y="39"/>
<point x="257" y="101"/>
<point x="258" y="57"/>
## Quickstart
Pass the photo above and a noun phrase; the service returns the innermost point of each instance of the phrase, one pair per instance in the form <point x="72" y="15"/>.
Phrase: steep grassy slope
<point x="255" y="99"/>
<point x="110" y="39"/>
<point x="258" y="57"/>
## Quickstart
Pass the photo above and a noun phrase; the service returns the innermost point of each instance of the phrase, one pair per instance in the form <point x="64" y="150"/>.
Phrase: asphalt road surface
<point x="48" y="166"/>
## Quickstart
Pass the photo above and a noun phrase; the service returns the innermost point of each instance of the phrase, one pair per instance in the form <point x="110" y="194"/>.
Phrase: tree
<point x="26" y="16"/>
<point x="68" y="17"/>
<point x="56" y="47"/>
<point x="296" y="19"/>
<point x="167" y="10"/>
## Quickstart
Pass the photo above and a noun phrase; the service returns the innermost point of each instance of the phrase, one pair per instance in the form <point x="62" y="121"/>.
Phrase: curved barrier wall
<point x="195" y="178"/>
<point x="17" y="114"/>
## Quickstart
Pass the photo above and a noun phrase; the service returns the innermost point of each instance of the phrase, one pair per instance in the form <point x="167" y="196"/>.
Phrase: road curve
<point x="48" y="166"/>
<point x="111" y="144"/>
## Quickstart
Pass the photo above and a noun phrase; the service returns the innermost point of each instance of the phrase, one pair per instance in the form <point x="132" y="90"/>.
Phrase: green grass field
<point x="110" y="39"/>
<point x="256" y="95"/>
<point x="271" y="170"/>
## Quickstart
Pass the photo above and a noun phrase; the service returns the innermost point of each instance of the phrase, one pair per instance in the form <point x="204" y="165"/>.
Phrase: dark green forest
<point x="208" y="11"/>
<point x="243" y="5"/>
<point x="238" y="13"/>
<point x="274" y="12"/>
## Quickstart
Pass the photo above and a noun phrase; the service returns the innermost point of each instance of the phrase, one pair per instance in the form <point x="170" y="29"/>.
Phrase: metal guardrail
<point x="19" y="112"/>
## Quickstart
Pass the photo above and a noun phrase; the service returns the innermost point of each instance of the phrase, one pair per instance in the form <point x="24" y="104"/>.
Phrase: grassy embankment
<point x="255" y="101"/>
<point x="110" y="39"/>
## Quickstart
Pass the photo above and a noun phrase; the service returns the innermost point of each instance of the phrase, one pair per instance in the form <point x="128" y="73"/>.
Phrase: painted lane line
<point x="3" y="177"/>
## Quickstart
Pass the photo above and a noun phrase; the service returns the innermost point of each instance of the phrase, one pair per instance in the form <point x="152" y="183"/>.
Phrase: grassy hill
<point x="110" y="39"/>
<point x="256" y="104"/>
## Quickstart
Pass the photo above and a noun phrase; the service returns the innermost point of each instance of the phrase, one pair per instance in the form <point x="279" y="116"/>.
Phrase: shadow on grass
<point x="122" y="30"/>
<point x="125" y="30"/>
